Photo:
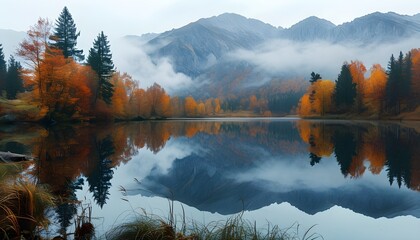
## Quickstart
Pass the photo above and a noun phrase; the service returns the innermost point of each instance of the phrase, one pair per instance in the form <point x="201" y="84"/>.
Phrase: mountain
<point x="193" y="46"/>
<point x="10" y="40"/>
<point x="375" y="28"/>
<point x="210" y="181"/>
<point x="309" y="29"/>
<point x="197" y="45"/>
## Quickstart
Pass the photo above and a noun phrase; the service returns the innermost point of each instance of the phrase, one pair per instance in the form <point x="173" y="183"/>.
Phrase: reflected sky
<point x="339" y="175"/>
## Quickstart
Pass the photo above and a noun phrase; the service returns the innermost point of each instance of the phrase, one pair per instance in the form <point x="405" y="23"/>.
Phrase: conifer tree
<point x="3" y="70"/>
<point x="314" y="77"/>
<point x="65" y="36"/>
<point x="345" y="89"/>
<point x="14" y="81"/>
<point x="100" y="59"/>
<point x="399" y="82"/>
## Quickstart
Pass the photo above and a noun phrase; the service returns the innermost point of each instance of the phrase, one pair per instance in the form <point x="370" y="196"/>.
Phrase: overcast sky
<point x="123" y="17"/>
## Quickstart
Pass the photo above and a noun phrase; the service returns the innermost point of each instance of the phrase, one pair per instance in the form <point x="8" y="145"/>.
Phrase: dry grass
<point x="22" y="205"/>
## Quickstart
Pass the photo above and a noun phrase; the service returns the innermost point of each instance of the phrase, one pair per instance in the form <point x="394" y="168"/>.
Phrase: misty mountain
<point x="198" y="45"/>
<point x="309" y="29"/>
<point x="229" y="51"/>
<point x="10" y="40"/>
<point x="209" y="181"/>
<point x="376" y="28"/>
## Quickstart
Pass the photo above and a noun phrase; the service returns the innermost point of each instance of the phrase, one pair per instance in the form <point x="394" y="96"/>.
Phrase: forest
<point x="59" y="84"/>
<point x="382" y="94"/>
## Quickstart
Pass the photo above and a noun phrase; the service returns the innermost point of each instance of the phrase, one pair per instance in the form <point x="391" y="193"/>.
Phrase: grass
<point x="148" y="227"/>
<point x="23" y="205"/>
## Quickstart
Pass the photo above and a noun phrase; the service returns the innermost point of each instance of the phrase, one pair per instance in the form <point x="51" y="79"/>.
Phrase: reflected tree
<point x="314" y="159"/>
<point x="344" y="149"/>
<point x="67" y="207"/>
<point x="99" y="179"/>
<point x="398" y="157"/>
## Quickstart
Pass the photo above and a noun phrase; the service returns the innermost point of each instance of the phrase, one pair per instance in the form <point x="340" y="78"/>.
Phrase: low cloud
<point x="301" y="58"/>
<point x="131" y="57"/>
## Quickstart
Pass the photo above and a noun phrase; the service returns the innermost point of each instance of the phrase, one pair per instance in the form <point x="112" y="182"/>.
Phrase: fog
<point x="131" y="57"/>
<point x="301" y="58"/>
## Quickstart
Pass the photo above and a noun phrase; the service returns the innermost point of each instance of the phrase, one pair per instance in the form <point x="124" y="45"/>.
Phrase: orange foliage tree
<point x="32" y="50"/>
<point x="159" y="101"/>
<point x="357" y="71"/>
<point x="375" y="89"/>
<point x="190" y="106"/>
<point x="318" y="98"/>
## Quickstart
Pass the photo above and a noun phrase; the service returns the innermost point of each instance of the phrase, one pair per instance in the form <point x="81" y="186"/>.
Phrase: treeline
<point x="63" y="87"/>
<point x="383" y="93"/>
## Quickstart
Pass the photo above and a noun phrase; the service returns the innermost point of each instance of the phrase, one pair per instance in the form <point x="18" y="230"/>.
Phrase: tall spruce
<point x="391" y="92"/>
<point x="399" y="80"/>
<point x="3" y="70"/>
<point x="100" y="59"/>
<point x="65" y="36"/>
<point x="14" y="81"/>
<point x="345" y="89"/>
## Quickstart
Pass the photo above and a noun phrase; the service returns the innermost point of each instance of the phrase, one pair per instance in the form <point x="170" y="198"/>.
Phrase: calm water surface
<point x="354" y="180"/>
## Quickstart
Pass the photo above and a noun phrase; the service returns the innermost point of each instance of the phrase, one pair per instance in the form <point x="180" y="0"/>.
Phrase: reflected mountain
<point x="228" y="166"/>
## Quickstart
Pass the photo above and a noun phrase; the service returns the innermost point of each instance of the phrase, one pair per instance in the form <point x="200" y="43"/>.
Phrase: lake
<point x="351" y="179"/>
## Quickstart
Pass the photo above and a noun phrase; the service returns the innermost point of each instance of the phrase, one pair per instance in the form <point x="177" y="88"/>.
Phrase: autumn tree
<point x="142" y="104"/>
<point x="32" y="49"/>
<point x="14" y="81"/>
<point x="375" y="89"/>
<point x="415" y="80"/>
<point x="65" y="36"/>
<point x="209" y="106"/>
<point x="100" y="59"/>
<point x="324" y="90"/>
<point x="357" y="71"/>
<point x="345" y="89"/>
<point x="190" y="106"/>
<point x="3" y="70"/>
<point x="159" y="101"/>
<point x="119" y="98"/>
<point x="304" y="106"/>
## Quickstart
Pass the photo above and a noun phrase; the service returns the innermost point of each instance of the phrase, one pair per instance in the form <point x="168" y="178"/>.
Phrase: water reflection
<point x="230" y="166"/>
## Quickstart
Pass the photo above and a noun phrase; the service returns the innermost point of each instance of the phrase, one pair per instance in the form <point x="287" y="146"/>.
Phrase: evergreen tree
<point x="345" y="89"/>
<point x="65" y="36"/>
<point x="314" y="77"/>
<point x="3" y="71"/>
<point x="100" y="59"/>
<point x="399" y="82"/>
<point x="14" y="81"/>
<point x="100" y="178"/>
<point x="391" y="84"/>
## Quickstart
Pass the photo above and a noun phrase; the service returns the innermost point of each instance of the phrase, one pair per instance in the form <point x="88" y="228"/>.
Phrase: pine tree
<point x="65" y="36"/>
<point x="399" y="82"/>
<point x="14" y="81"/>
<point x="391" y="84"/>
<point x="314" y="77"/>
<point x="100" y="59"/>
<point x="3" y="71"/>
<point x="345" y="89"/>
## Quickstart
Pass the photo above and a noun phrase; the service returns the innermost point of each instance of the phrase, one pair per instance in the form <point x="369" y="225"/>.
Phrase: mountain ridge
<point x="191" y="46"/>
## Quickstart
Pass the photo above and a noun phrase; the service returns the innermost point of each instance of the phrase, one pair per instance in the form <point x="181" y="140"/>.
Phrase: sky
<point x="136" y="17"/>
